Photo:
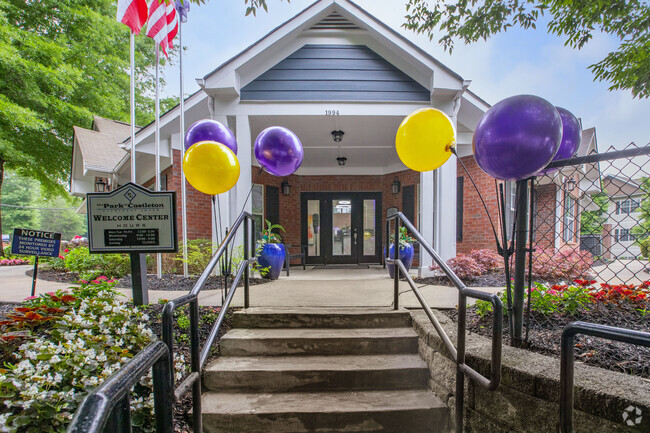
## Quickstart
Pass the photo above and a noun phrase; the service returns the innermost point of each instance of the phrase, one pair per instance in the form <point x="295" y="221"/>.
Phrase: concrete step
<point x="315" y="373"/>
<point x="285" y="341"/>
<point x="321" y="318"/>
<point x="325" y="412"/>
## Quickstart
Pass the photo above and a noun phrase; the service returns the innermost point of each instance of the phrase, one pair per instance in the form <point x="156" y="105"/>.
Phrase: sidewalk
<point x="309" y="288"/>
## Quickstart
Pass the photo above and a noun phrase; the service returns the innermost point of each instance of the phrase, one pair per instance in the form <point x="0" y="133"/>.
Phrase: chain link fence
<point x="591" y="229"/>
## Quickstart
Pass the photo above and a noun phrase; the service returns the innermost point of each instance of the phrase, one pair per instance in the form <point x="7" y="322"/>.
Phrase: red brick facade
<point x="477" y="232"/>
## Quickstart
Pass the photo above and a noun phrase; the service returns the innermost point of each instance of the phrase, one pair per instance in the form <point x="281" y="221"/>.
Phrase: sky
<point x="511" y="63"/>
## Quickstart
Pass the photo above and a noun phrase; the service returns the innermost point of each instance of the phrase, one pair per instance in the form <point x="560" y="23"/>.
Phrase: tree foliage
<point x="591" y="221"/>
<point x="628" y="67"/>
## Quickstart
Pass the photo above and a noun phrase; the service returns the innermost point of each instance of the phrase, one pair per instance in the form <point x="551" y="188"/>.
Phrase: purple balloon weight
<point x="571" y="135"/>
<point x="517" y="137"/>
<point x="210" y="130"/>
<point x="278" y="151"/>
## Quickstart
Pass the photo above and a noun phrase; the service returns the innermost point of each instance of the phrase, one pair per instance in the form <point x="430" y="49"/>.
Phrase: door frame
<point x="325" y="199"/>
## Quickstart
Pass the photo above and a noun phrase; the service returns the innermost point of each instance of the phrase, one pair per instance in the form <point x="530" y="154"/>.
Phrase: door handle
<point x="355" y="236"/>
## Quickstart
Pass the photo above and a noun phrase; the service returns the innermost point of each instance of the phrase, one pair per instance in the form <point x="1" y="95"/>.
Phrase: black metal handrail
<point x="199" y="355"/>
<point x="566" y="359"/>
<point x="457" y="353"/>
<point x="107" y="407"/>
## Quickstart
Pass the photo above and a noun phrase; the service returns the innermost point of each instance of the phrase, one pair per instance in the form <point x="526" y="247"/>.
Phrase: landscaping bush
<point x="90" y="266"/>
<point x="566" y="264"/>
<point x="487" y="259"/>
<point x="463" y="266"/>
<point x="199" y="253"/>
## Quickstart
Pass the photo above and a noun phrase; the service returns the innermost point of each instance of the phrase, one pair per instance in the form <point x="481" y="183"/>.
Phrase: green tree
<point x="591" y="221"/>
<point x="58" y="214"/>
<point x="628" y="67"/>
<point x="20" y="198"/>
<point x="61" y="62"/>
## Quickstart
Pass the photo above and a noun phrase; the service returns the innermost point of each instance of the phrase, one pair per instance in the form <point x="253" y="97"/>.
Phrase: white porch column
<point x="222" y="206"/>
<point x="427" y="218"/>
<point x="239" y="194"/>
<point x="445" y="232"/>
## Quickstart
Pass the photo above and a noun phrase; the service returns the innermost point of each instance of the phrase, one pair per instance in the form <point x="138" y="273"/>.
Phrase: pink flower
<point x="61" y="257"/>
<point x="30" y="298"/>
<point x="66" y="250"/>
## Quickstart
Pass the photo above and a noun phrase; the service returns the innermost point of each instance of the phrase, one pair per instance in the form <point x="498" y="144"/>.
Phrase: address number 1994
<point x="331" y="112"/>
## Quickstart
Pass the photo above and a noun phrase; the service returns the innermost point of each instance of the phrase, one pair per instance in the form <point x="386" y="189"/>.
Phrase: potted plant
<point x="406" y="250"/>
<point x="271" y="257"/>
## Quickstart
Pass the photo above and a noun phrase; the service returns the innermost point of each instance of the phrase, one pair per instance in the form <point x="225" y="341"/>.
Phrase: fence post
<point x="520" y="262"/>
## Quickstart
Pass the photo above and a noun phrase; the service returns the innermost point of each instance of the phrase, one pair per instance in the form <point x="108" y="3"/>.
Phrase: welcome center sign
<point x="132" y="219"/>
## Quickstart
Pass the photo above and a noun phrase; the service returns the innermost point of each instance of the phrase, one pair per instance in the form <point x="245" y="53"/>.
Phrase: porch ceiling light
<point x="337" y="136"/>
<point x="286" y="188"/>
<point x="341" y="160"/>
<point x="395" y="186"/>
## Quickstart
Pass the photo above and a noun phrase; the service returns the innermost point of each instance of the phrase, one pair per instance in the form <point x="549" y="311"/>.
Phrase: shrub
<point x="199" y="253"/>
<point x="463" y="266"/>
<point x="90" y="266"/>
<point x="567" y="263"/>
<point x="488" y="259"/>
<point x="559" y="299"/>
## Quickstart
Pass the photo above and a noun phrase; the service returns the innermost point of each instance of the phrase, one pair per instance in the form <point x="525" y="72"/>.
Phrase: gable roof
<point x="100" y="146"/>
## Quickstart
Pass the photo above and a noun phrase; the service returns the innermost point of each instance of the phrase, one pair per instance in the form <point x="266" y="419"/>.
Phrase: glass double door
<point x="341" y="227"/>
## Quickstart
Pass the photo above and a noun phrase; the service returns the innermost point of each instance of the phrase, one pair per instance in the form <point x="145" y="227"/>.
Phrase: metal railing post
<point x="246" y="257"/>
<point x="396" y="257"/>
<point x="460" y="360"/>
<point x="195" y="353"/>
<point x="162" y="395"/>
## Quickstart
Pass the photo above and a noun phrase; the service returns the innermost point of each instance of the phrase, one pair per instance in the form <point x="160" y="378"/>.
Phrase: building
<point x="331" y="68"/>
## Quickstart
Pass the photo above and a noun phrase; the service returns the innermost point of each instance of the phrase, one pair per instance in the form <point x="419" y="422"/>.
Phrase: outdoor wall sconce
<point x="337" y="136"/>
<point x="395" y="186"/>
<point x="341" y="160"/>
<point x="100" y="185"/>
<point x="570" y="184"/>
<point x="286" y="188"/>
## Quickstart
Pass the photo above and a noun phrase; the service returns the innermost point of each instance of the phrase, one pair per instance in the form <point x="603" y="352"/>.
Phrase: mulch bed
<point x="545" y="334"/>
<point x="171" y="282"/>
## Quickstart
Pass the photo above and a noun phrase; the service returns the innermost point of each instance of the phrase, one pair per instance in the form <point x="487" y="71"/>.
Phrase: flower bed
<point x="58" y="346"/>
<point x="553" y="307"/>
<point x="13" y="262"/>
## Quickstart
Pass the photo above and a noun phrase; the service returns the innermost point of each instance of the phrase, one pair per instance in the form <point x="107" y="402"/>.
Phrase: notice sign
<point x="132" y="219"/>
<point x="36" y="243"/>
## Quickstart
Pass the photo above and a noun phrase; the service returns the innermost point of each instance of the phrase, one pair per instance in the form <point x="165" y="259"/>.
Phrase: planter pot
<point x="272" y="257"/>
<point x="405" y="255"/>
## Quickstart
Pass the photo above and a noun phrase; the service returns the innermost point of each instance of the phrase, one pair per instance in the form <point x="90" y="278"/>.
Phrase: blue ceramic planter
<point x="272" y="256"/>
<point x="405" y="255"/>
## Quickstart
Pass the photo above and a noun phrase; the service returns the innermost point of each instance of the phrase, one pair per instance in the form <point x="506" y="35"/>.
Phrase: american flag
<point x="133" y="13"/>
<point x="163" y="23"/>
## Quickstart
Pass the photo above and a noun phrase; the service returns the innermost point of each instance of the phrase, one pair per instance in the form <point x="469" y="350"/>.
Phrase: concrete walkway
<point x="309" y="288"/>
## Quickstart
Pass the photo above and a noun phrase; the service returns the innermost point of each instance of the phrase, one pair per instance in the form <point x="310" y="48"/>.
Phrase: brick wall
<point x="545" y="218"/>
<point x="477" y="232"/>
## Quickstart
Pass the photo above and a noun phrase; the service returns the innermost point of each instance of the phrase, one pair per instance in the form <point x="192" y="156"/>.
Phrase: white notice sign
<point x="132" y="219"/>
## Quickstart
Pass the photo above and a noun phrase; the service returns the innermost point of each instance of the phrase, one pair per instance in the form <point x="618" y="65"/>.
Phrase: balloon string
<point x="496" y="238"/>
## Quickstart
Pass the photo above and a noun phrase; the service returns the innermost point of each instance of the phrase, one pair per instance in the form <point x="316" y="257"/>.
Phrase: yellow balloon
<point x="211" y="167"/>
<point x="424" y="139"/>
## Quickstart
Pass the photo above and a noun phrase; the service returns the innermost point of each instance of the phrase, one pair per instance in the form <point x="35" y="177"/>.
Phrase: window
<point x="257" y="202"/>
<point x="623" y="235"/>
<point x="627" y="206"/>
<point x="568" y="233"/>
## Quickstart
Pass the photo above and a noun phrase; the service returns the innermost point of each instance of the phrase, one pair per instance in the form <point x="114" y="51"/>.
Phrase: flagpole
<point x="132" y="107"/>
<point x="158" y="255"/>
<point x="183" y="185"/>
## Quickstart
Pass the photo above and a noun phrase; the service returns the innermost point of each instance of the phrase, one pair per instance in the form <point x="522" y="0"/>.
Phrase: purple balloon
<point x="517" y="137"/>
<point x="210" y="130"/>
<point x="571" y="135"/>
<point x="278" y="151"/>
